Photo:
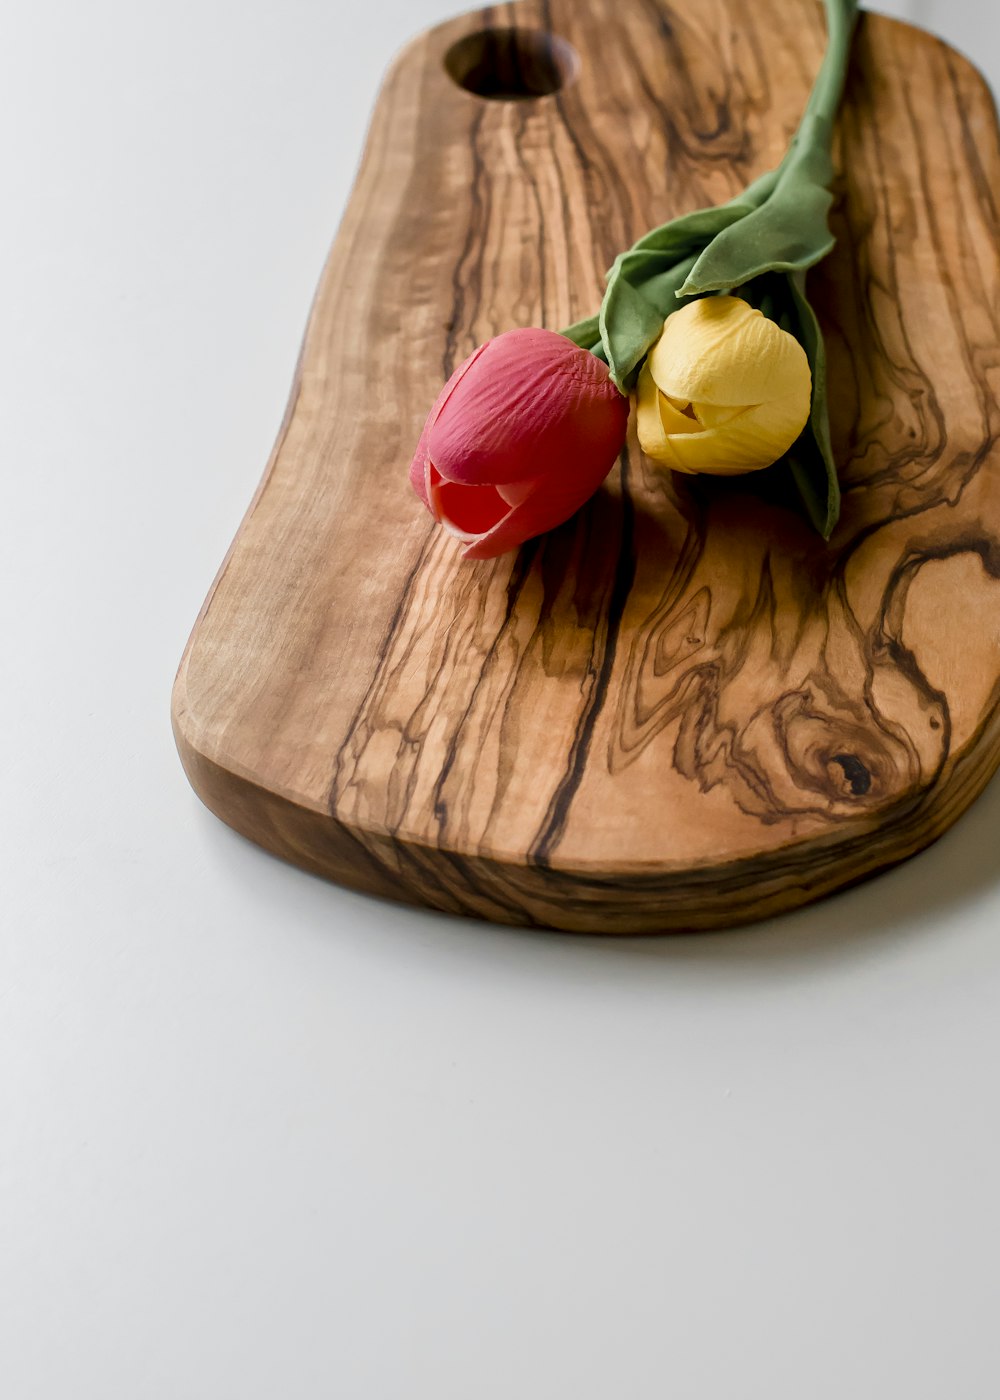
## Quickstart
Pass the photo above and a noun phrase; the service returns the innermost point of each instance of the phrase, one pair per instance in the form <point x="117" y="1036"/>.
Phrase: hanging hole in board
<point x="511" y="65"/>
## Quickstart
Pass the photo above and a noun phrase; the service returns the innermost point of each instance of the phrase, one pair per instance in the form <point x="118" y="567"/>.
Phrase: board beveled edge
<point x="626" y="902"/>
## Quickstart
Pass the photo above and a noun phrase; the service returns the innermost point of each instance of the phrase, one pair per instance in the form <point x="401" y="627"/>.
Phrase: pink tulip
<point x="523" y="433"/>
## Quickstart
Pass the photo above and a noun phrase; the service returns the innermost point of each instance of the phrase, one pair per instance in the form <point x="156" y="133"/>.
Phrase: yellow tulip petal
<point x="653" y="431"/>
<point x="751" y="440"/>
<point x="649" y="424"/>
<point x="769" y="430"/>
<point x="661" y="427"/>
<point x="713" y="415"/>
<point x="675" y="419"/>
<point x="719" y="350"/>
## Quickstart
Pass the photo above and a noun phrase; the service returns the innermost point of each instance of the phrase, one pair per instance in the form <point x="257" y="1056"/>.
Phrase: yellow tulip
<point x="724" y="390"/>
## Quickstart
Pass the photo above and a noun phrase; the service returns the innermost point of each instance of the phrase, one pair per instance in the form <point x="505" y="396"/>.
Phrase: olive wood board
<point x="682" y="709"/>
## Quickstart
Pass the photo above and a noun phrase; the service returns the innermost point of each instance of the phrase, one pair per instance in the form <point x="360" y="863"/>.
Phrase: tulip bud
<point x="523" y="433"/>
<point x="724" y="390"/>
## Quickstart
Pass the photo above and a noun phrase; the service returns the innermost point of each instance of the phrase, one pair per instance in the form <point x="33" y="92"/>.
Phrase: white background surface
<point x="260" y="1137"/>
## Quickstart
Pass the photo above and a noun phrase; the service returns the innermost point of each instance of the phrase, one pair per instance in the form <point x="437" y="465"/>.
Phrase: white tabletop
<point x="261" y="1137"/>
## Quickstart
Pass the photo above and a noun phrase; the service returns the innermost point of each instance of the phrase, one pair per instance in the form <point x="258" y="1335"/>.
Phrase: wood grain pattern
<point x="679" y="710"/>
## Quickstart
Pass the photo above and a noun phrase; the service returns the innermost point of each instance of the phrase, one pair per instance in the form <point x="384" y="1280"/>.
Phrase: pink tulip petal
<point x="532" y="405"/>
<point x="514" y="492"/>
<point x="418" y="467"/>
<point x="550" y="503"/>
<point x="533" y="517"/>
<point x="468" y="511"/>
<point x="418" y="470"/>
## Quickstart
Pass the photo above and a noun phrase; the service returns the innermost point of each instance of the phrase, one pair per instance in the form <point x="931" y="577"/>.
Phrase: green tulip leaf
<point x="788" y="232"/>
<point x="809" y="462"/>
<point x="811" y="458"/>
<point x="634" y="309"/>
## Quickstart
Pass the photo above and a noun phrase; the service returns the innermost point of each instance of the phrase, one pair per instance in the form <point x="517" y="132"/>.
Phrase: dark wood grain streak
<point x="679" y="710"/>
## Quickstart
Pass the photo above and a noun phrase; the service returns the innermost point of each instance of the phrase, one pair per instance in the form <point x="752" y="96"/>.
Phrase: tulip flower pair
<point x="528" y="427"/>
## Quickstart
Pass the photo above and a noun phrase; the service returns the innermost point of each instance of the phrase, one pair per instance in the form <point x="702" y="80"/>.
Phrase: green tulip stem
<point x="827" y="90"/>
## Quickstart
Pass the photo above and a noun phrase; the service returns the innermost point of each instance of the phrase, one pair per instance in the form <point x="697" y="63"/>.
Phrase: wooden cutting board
<point x="681" y="709"/>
